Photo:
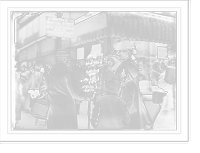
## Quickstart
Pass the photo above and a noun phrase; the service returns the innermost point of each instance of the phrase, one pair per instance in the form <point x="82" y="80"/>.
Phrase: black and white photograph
<point x="109" y="70"/>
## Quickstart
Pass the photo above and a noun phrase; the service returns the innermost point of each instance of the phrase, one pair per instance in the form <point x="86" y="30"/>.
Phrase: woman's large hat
<point x="125" y="42"/>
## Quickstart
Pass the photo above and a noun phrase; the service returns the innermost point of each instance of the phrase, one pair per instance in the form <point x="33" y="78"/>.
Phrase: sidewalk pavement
<point x="28" y="122"/>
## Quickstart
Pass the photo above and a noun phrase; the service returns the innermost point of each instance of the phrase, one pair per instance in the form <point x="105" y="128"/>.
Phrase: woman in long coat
<point x="125" y="48"/>
<point x="129" y="93"/>
<point x="63" y="89"/>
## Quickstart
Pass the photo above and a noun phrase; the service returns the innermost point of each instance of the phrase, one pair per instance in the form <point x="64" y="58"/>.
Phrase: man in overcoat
<point x="129" y="93"/>
<point x="63" y="89"/>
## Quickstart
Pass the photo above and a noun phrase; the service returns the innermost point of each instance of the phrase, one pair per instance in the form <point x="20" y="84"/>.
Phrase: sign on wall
<point x="80" y="53"/>
<point x="162" y="52"/>
<point x="59" y="27"/>
<point x="96" y="50"/>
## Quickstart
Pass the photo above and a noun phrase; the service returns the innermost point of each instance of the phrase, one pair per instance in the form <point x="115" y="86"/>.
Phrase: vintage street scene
<point x="83" y="70"/>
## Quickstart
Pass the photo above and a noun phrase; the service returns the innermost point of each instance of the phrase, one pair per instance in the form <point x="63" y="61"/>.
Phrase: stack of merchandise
<point x="95" y="62"/>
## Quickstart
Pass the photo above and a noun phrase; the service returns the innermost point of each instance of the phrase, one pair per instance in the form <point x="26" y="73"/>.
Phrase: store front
<point x="104" y="29"/>
<point x="151" y="32"/>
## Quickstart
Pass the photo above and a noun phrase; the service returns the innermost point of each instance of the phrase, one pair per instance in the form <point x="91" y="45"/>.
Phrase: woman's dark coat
<point x="129" y="93"/>
<point x="144" y="115"/>
<point x="63" y="89"/>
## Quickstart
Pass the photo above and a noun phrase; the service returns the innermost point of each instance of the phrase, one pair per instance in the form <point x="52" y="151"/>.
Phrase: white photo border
<point x="179" y="135"/>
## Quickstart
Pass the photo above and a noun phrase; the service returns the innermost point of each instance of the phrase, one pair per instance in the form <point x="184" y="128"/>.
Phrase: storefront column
<point x="149" y="60"/>
<point x="58" y="43"/>
<point x="109" y="45"/>
<point x="58" y="39"/>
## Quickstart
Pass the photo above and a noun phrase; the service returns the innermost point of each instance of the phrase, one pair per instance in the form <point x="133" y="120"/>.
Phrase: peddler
<point x="62" y="86"/>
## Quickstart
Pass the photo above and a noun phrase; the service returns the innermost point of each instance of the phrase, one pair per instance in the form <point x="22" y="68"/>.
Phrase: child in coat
<point x="110" y="111"/>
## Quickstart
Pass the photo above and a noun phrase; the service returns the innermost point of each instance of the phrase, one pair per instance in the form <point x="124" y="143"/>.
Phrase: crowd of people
<point x="118" y="103"/>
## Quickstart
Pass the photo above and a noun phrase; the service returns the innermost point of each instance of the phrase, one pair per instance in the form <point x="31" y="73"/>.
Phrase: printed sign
<point x="162" y="52"/>
<point x="80" y="53"/>
<point x="59" y="27"/>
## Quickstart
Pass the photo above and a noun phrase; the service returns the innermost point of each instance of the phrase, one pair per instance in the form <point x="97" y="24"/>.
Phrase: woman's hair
<point x="113" y="85"/>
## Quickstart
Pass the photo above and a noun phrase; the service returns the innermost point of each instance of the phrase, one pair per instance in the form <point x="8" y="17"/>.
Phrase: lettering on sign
<point x="59" y="27"/>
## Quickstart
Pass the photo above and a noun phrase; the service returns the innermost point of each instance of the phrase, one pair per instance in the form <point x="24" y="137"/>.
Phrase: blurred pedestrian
<point x="129" y="93"/>
<point x="166" y="118"/>
<point x="125" y="47"/>
<point x="26" y="83"/>
<point x="112" y="63"/>
<point x="110" y="111"/>
<point x="47" y="67"/>
<point x="18" y="99"/>
<point x="80" y="75"/>
<point x="156" y="71"/>
<point x="143" y="69"/>
<point x="42" y="70"/>
<point x="35" y="79"/>
<point x="63" y="89"/>
<point x="163" y="65"/>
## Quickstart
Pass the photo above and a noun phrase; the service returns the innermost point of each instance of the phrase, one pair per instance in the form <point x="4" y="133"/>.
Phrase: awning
<point x="90" y="30"/>
<point x="90" y="37"/>
<point x="147" y="29"/>
<point x="136" y="25"/>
